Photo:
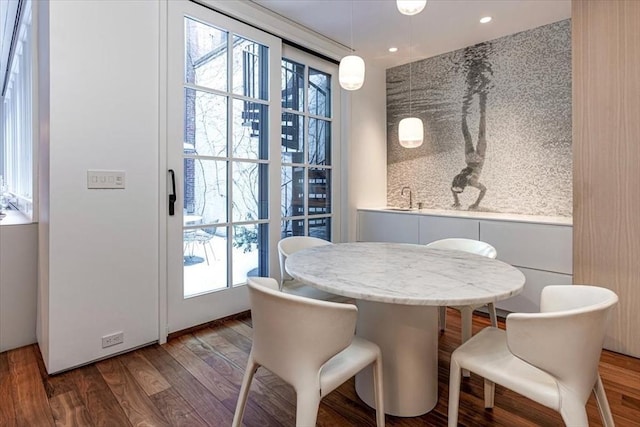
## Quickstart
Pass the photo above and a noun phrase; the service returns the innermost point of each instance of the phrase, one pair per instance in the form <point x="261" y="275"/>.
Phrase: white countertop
<point x="552" y="220"/>
<point x="405" y="274"/>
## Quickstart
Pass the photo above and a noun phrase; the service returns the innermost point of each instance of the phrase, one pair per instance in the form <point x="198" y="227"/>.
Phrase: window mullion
<point x="230" y="165"/>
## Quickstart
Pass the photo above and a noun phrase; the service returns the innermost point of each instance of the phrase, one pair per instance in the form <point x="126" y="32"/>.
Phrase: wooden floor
<point x="194" y="380"/>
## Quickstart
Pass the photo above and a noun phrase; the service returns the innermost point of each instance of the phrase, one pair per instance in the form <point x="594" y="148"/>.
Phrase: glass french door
<point x="310" y="147"/>
<point x="223" y="104"/>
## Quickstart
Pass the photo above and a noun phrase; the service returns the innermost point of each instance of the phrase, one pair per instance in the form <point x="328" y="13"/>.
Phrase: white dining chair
<point x="466" y="312"/>
<point x="308" y="343"/>
<point x="288" y="246"/>
<point x="550" y="357"/>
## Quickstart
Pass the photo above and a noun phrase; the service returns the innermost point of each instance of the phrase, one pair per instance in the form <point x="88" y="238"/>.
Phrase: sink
<point x="391" y="208"/>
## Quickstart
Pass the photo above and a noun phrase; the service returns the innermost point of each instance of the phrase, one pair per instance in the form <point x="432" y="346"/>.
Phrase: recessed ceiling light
<point x="393" y="49"/>
<point x="485" y="19"/>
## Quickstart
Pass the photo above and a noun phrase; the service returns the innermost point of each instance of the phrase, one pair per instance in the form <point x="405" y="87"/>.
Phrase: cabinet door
<point x="18" y="285"/>
<point x="539" y="246"/>
<point x="528" y="301"/>
<point x="442" y="227"/>
<point x="387" y="227"/>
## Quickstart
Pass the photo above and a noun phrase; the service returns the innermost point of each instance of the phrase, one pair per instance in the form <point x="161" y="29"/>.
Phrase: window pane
<point x="292" y="138"/>
<point x="16" y="121"/>
<point x="250" y="243"/>
<point x="250" y="121"/>
<point x="319" y="93"/>
<point x="319" y="142"/>
<point x="320" y="228"/>
<point x="205" y="260"/>
<point x="292" y="228"/>
<point x="319" y="191"/>
<point x="205" y="190"/>
<point x="250" y="201"/>
<point x="292" y="186"/>
<point x="250" y="68"/>
<point x="292" y="78"/>
<point x="205" y="130"/>
<point x="206" y="55"/>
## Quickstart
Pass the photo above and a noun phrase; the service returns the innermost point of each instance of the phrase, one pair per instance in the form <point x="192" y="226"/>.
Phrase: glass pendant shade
<point x="411" y="132"/>
<point x="411" y="7"/>
<point x="351" y="72"/>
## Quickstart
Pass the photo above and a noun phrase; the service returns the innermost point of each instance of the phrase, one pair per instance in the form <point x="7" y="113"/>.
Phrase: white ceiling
<point x="443" y="26"/>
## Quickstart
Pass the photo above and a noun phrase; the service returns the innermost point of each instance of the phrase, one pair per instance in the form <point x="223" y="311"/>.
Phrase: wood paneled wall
<point x="606" y="145"/>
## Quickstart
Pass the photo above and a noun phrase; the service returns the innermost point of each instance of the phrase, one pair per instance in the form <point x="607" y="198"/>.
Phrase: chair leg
<point x="467" y="317"/>
<point x="573" y="412"/>
<point x="190" y="248"/>
<point x="442" y="310"/>
<point x="466" y="313"/>
<point x="205" y="252"/>
<point x="603" y="403"/>
<point x="251" y="369"/>
<point x="454" y="392"/>
<point x="307" y="404"/>
<point x="489" y="393"/>
<point x="492" y="314"/>
<point x="212" y="251"/>
<point x="378" y="391"/>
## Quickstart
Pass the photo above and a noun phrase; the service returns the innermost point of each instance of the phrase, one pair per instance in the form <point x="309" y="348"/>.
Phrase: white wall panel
<point x="365" y="149"/>
<point x="103" y="244"/>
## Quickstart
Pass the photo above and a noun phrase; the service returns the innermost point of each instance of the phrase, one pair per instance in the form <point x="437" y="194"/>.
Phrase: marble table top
<point x="408" y="274"/>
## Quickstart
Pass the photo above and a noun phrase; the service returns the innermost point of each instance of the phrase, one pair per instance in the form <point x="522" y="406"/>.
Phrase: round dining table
<point x="398" y="288"/>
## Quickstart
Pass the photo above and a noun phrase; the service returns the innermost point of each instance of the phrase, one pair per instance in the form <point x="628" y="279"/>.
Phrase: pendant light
<point x="351" y="70"/>
<point x="410" y="7"/>
<point x="410" y="129"/>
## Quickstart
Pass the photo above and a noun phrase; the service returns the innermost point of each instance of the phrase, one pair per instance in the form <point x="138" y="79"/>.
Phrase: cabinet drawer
<point x="436" y="228"/>
<point x="539" y="246"/>
<point x="528" y="301"/>
<point x="387" y="227"/>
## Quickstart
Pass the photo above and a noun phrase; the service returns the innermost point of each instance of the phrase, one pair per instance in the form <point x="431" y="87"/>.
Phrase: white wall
<point x="102" y="252"/>
<point x="366" y="166"/>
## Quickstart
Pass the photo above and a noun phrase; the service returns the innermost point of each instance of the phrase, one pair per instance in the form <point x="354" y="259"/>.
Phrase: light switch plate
<point x="100" y="179"/>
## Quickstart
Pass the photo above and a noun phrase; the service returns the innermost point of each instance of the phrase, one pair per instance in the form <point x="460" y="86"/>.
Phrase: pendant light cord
<point x="351" y="26"/>
<point x="410" y="63"/>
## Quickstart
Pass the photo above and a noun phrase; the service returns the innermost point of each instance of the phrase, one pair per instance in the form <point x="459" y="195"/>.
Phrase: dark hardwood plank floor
<point x="194" y="381"/>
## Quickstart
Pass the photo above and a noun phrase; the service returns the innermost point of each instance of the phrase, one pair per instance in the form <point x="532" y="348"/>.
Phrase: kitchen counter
<point x="541" y="247"/>
<point x="552" y="220"/>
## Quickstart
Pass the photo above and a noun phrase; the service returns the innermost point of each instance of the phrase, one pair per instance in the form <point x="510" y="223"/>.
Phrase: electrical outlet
<point x="113" y="339"/>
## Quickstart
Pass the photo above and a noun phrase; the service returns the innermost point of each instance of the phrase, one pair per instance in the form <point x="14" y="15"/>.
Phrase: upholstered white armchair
<point x="308" y="343"/>
<point x="550" y="357"/>
<point x="466" y="312"/>
<point x="288" y="246"/>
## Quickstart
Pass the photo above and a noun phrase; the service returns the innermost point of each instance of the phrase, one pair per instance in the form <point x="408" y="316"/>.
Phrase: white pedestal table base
<point x="408" y="338"/>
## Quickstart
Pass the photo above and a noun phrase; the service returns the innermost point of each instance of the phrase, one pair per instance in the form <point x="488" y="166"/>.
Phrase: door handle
<point x="172" y="196"/>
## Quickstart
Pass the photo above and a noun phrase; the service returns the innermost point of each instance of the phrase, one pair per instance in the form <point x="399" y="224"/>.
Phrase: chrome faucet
<point x="410" y="196"/>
